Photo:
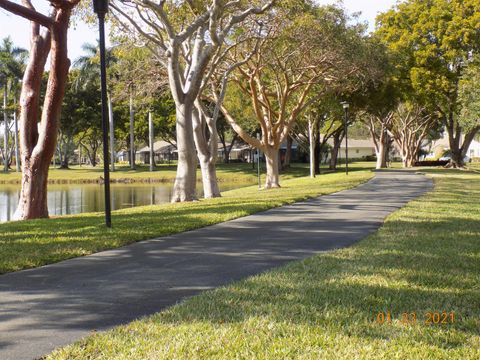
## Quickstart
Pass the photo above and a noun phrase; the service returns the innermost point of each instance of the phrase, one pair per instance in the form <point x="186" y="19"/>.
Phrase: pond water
<point x="80" y="198"/>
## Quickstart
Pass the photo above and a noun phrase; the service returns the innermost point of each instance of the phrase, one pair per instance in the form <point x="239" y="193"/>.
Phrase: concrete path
<point x="41" y="309"/>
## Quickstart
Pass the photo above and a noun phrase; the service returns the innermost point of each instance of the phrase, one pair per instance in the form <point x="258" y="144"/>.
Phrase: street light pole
<point x="100" y="7"/>
<point x="258" y="163"/>
<point x="345" y="107"/>
<point x="5" y="130"/>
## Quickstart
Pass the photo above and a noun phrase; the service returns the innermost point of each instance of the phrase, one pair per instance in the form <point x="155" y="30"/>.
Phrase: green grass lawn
<point x="27" y="244"/>
<point x="426" y="258"/>
<point x="474" y="166"/>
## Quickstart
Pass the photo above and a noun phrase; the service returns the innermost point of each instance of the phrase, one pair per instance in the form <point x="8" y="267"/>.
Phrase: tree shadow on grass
<point x="414" y="275"/>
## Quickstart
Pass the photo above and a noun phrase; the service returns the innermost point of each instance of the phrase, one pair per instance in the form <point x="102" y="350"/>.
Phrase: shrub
<point x="432" y="163"/>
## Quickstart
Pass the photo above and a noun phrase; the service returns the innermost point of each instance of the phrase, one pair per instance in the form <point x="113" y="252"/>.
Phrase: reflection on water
<point x="80" y="198"/>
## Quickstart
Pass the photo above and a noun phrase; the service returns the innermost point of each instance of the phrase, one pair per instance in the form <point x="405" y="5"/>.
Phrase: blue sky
<point x="18" y="28"/>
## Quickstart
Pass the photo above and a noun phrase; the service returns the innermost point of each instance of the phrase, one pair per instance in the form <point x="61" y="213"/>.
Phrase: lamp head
<point x="345" y="105"/>
<point x="100" y="7"/>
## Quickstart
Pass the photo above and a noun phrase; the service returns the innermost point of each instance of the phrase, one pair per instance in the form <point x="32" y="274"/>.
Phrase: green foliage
<point x="132" y="72"/>
<point x="469" y="95"/>
<point x="12" y="61"/>
<point x="80" y="120"/>
<point x="81" y="106"/>
<point x="241" y="108"/>
<point x="430" y="41"/>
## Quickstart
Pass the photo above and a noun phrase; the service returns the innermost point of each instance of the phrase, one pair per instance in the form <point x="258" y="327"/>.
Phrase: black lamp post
<point x="258" y="163"/>
<point x="345" y="107"/>
<point x="100" y="7"/>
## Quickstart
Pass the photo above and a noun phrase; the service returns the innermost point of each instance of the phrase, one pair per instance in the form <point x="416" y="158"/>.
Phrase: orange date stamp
<point x="412" y="318"/>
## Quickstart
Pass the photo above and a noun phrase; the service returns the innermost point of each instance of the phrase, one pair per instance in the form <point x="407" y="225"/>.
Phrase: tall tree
<point x="410" y="126"/>
<point x="38" y="141"/>
<point x="469" y="97"/>
<point x="80" y="119"/>
<point x="322" y="122"/>
<point x="89" y="66"/>
<point x="378" y="110"/>
<point x="303" y="46"/>
<point x="432" y="42"/>
<point x="146" y="80"/>
<point x="185" y="36"/>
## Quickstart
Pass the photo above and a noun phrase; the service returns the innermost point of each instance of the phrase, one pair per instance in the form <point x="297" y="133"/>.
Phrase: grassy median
<point x="28" y="244"/>
<point x="424" y="261"/>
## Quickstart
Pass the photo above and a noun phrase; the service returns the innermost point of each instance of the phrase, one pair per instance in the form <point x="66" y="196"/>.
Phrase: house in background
<point x="122" y="156"/>
<point x="162" y="150"/>
<point x="474" y="150"/>
<point x="357" y="149"/>
<point x="362" y="149"/>
<point x="440" y="146"/>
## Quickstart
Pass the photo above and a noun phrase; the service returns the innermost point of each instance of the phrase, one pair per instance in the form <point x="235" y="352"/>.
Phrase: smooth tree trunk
<point x="288" y="153"/>
<point x="379" y="126"/>
<point x="209" y="178"/>
<point x="337" y="141"/>
<point x="38" y="141"/>
<point x="206" y="143"/>
<point x="381" y="151"/>
<point x="459" y="148"/>
<point x="273" y="168"/>
<point x="112" y="134"/>
<point x="185" y="86"/>
<point x="226" y="155"/>
<point x="65" y="143"/>
<point x="409" y="148"/>
<point x="92" y="158"/>
<point x="184" y="188"/>
<point x="409" y="160"/>
<point x="228" y="149"/>
<point x="460" y="152"/>
<point x="64" y="163"/>
<point x="381" y="154"/>
<point x="132" y="135"/>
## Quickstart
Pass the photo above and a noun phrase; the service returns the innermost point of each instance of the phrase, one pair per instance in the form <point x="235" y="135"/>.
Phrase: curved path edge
<point x="51" y="306"/>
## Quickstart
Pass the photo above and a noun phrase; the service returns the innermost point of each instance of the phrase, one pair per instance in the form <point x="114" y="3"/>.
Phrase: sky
<point x="18" y="29"/>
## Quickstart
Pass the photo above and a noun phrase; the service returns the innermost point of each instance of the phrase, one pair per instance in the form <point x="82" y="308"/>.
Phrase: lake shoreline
<point x="126" y="180"/>
<point x="126" y="175"/>
<point x="69" y="198"/>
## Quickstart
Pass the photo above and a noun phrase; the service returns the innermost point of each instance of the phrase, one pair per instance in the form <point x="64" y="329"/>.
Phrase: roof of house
<point x="158" y="146"/>
<point x="355" y="143"/>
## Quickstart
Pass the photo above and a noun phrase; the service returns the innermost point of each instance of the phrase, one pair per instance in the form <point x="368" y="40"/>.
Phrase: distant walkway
<point x="55" y="305"/>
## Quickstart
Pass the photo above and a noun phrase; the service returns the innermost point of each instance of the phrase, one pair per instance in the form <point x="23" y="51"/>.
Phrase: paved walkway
<point x="44" y="308"/>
